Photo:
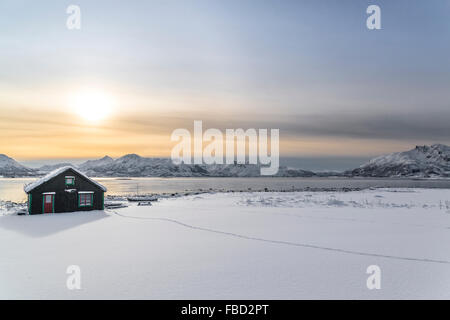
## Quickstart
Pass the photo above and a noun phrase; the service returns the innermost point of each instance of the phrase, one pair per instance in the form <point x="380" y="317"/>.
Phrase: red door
<point x="48" y="203"/>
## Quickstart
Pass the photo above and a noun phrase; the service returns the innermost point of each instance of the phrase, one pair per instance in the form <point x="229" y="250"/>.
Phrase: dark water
<point x="12" y="188"/>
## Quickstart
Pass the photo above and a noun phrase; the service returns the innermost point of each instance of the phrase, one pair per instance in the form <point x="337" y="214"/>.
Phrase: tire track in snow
<point x="288" y="243"/>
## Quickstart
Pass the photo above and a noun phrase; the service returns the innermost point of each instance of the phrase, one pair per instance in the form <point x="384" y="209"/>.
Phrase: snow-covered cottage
<point x="64" y="190"/>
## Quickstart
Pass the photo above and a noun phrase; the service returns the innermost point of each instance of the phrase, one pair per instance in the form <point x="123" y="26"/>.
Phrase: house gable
<point x="69" y="171"/>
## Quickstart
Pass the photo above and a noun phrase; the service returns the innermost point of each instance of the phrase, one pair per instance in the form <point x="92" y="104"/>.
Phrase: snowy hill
<point x="90" y="164"/>
<point x="423" y="161"/>
<point x="133" y="165"/>
<point x="11" y="168"/>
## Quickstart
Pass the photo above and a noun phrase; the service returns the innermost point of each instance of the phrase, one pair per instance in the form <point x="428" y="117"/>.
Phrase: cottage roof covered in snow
<point x="27" y="188"/>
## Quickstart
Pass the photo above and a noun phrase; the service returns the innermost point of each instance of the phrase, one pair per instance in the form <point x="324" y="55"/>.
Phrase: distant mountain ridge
<point x="133" y="165"/>
<point x="422" y="161"/>
<point x="11" y="168"/>
<point x="91" y="164"/>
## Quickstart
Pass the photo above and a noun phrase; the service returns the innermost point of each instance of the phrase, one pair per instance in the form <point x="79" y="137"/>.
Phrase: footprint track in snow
<point x="287" y="243"/>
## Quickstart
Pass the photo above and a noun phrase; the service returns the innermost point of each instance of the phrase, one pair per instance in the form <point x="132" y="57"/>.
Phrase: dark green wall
<point x="64" y="201"/>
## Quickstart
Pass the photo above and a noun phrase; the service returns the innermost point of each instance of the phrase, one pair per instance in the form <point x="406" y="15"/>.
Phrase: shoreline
<point x="318" y="176"/>
<point x="113" y="200"/>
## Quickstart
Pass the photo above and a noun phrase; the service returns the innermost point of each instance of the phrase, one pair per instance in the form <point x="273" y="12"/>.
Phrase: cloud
<point x="401" y="126"/>
<point x="389" y="126"/>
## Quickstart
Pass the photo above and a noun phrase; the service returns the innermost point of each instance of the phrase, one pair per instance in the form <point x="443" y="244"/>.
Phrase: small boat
<point x="145" y="203"/>
<point x="142" y="198"/>
<point x="115" y="205"/>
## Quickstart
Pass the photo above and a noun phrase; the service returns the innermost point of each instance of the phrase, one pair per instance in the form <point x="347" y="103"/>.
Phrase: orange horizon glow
<point x="44" y="126"/>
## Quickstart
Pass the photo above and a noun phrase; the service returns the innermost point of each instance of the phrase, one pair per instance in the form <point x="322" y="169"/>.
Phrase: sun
<point x="92" y="105"/>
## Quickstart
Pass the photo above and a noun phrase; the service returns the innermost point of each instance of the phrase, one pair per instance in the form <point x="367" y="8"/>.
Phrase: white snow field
<point x="237" y="246"/>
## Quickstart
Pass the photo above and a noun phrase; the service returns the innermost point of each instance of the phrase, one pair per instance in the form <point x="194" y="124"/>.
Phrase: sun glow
<point x="93" y="106"/>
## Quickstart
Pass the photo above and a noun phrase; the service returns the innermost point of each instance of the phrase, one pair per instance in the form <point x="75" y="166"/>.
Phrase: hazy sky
<point x="310" y="68"/>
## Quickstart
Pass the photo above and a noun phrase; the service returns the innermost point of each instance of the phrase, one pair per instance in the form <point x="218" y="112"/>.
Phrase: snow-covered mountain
<point x="133" y="165"/>
<point x="50" y="167"/>
<point x="91" y="164"/>
<point x="423" y="161"/>
<point x="11" y="168"/>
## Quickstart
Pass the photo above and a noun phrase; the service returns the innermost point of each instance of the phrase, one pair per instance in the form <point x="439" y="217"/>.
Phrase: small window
<point x="70" y="181"/>
<point x="48" y="198"/>
<point x="85" y="199"/>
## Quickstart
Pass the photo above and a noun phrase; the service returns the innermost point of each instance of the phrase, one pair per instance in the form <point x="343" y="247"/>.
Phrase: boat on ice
<point x="142" y="198"/>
